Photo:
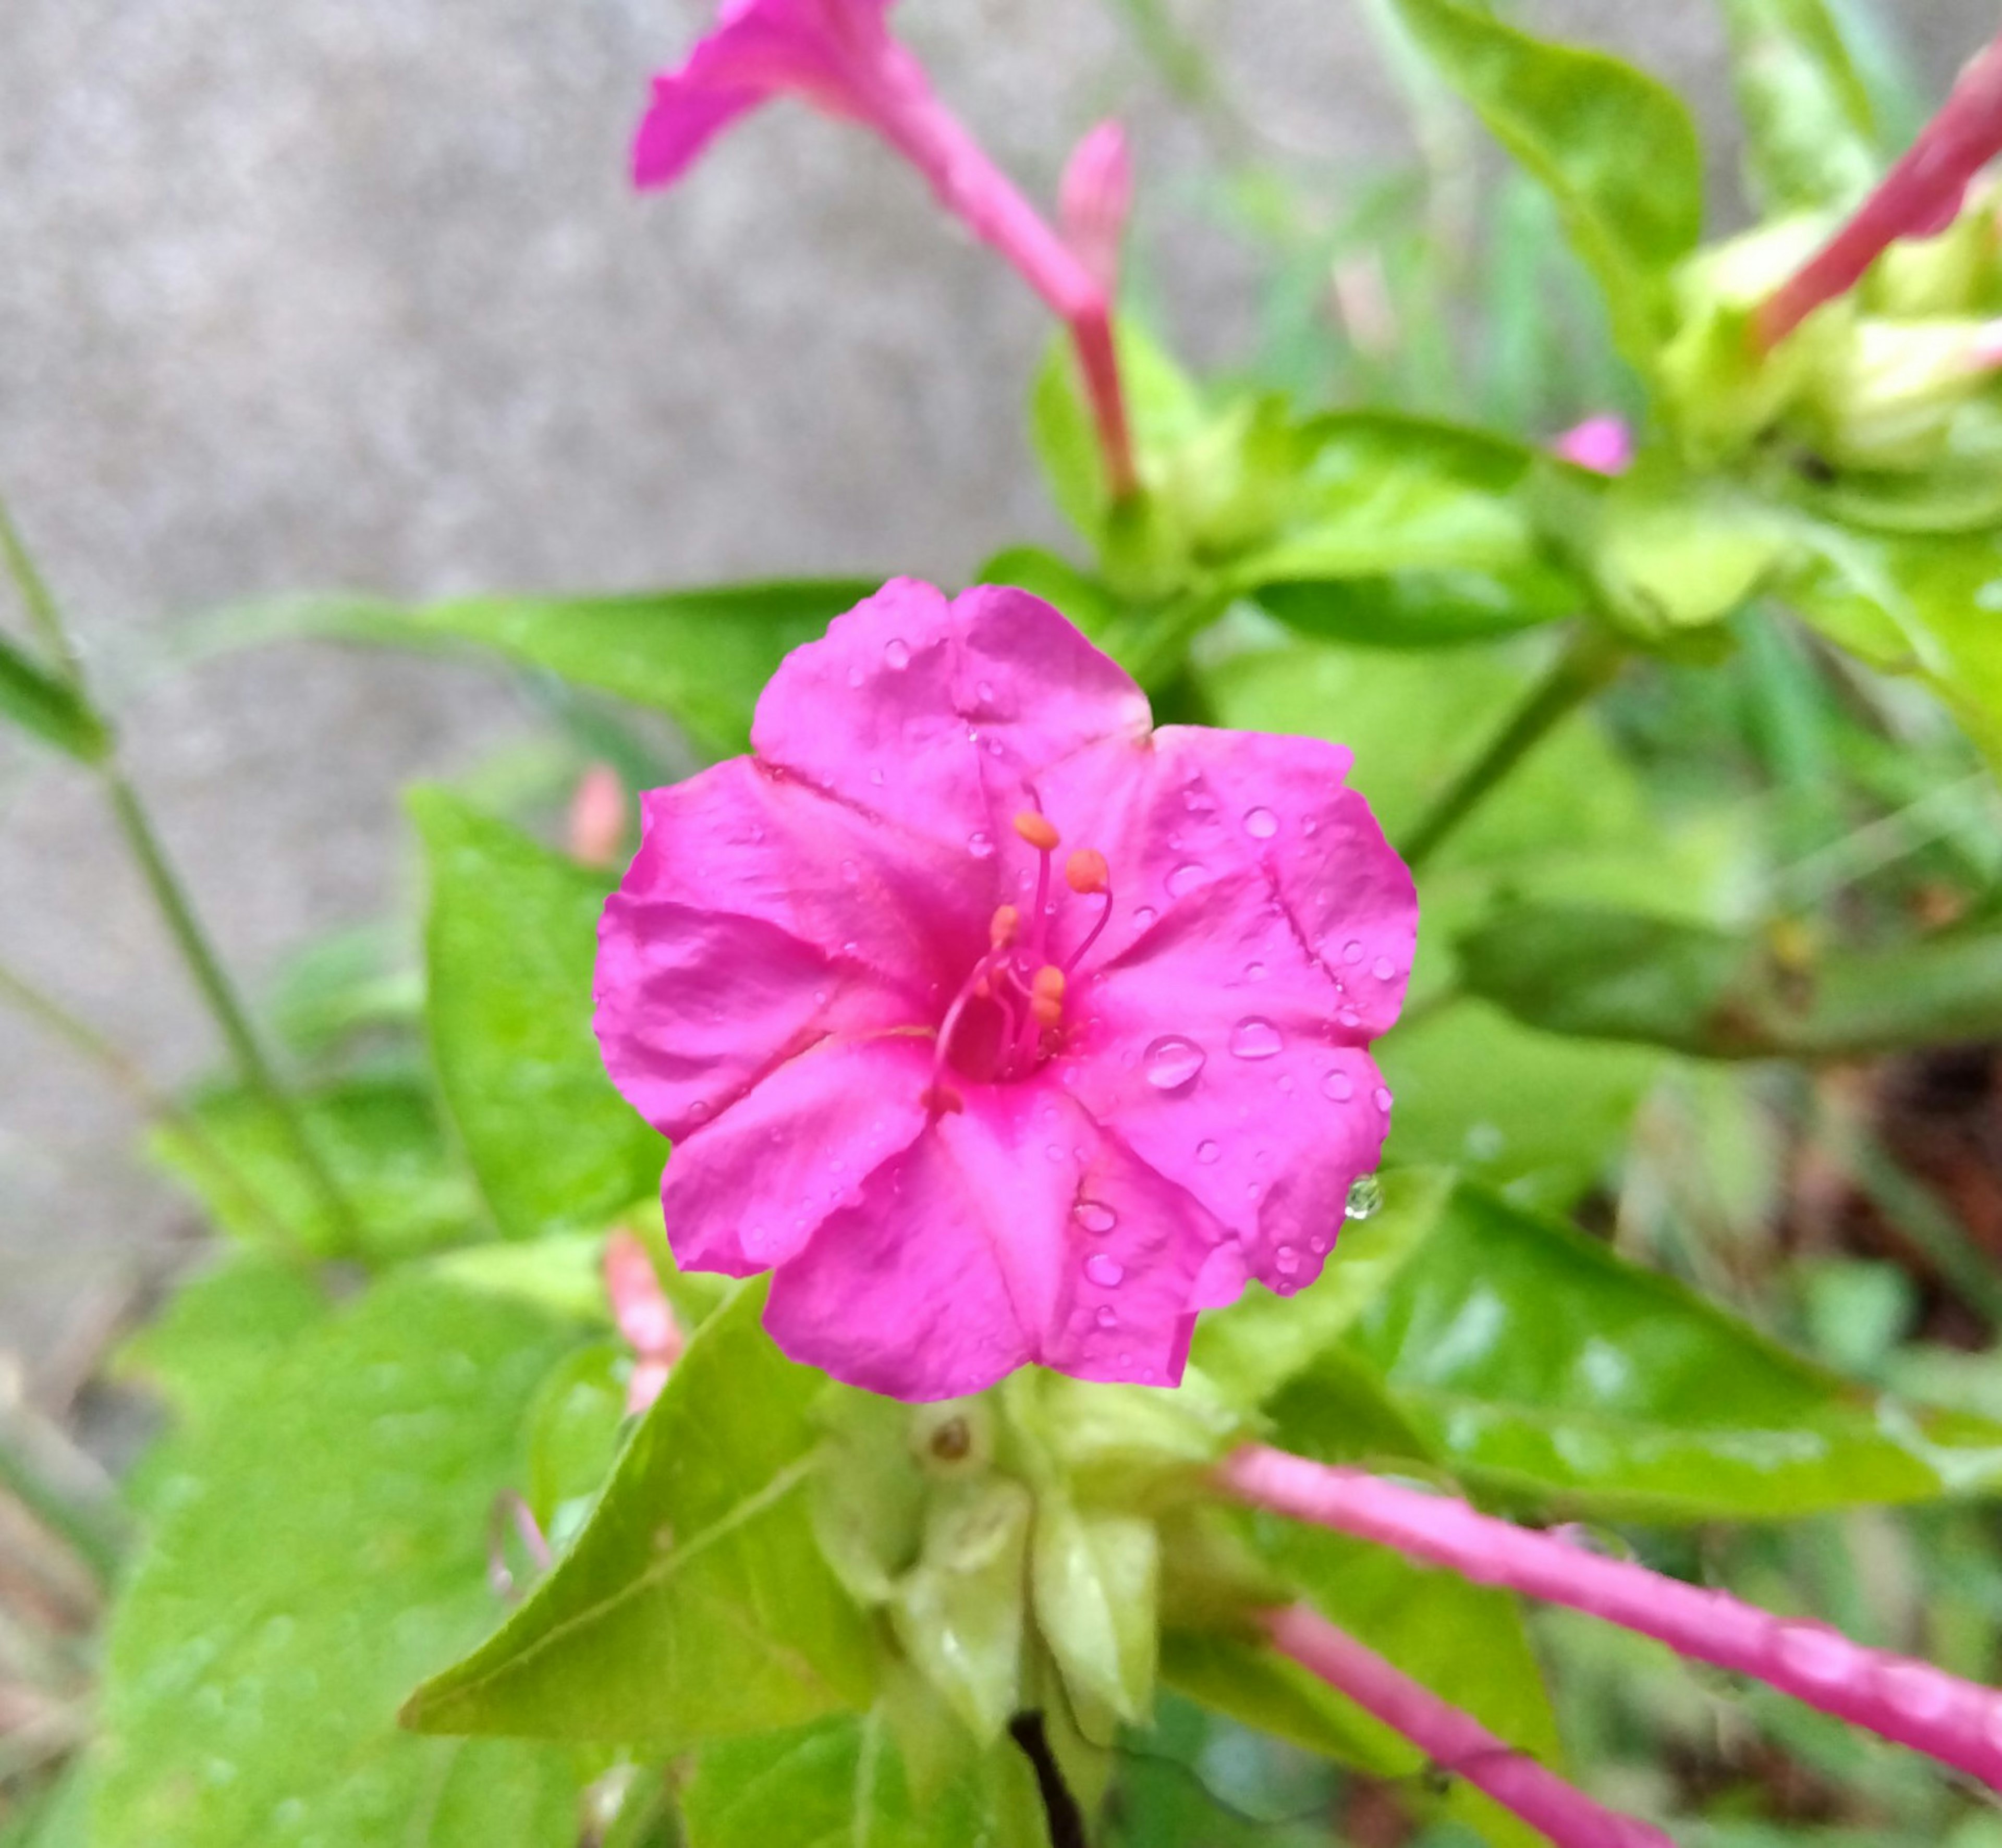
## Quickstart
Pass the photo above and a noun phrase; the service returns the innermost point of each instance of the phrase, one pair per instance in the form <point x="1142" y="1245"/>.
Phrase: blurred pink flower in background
<point x="595" y="833"/>
<point x="1000" y="1028"/>
<point x="644" y="1316"/>
<point x="1603" y="444"/>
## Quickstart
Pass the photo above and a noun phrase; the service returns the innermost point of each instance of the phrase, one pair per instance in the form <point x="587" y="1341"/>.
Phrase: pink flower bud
<point x="1605" y="445"/>
<point x="597" y="818"/>
<point x="1095" y="201"/>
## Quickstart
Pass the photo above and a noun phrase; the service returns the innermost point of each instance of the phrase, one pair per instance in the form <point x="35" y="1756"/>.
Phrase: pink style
<point x="999" y="1027"/>
<point x="840" y="56"/>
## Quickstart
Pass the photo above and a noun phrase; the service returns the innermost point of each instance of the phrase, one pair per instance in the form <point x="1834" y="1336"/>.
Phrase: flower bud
<point x="1094" y="201"/>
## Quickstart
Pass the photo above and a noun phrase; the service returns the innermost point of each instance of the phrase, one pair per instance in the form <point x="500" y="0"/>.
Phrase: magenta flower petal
<point x="1002" y="1030"/>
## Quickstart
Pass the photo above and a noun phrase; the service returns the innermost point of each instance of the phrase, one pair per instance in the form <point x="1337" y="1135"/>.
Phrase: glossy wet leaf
<point x="383" y="1139"/>
<point x="1615" y="149"/>
<point x="695" y="1605"/>
<point x="318" y="1543"/>
<point x="1421" y="609"/>
<point x="700" y="656"/>
<point x="1930" y="608"/>
<point x="841" y="1783"/>
<point x="1810" y="129"/>
<point x="49" y="708"/>
<point x="1598" y="972"/>
<point x="1539" y="1364"/>
<point x="512" y="943"/>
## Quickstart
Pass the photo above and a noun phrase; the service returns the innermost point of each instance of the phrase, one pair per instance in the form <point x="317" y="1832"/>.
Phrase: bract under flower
<point x="999" y="1027"/>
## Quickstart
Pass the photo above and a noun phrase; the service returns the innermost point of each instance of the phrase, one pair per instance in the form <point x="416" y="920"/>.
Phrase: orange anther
<point x="1048" y="1009"/>
<point x="1037" y="831"/>
<point x="1048" y="983"/>
<point x="1085" y="871"/>
<point x="1006" y="921"/>
<point x="941" y="1100"/>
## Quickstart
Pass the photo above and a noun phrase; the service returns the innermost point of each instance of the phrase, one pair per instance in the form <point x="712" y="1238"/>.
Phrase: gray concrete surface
<point x="350" y="292"/>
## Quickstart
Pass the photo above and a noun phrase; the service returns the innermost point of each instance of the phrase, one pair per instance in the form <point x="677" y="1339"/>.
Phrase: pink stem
<point x="1454" y="1740"/>
<point x="1919" y="196"/>
<point x="977" y="193"/>
<point x="1955" y="1721"/>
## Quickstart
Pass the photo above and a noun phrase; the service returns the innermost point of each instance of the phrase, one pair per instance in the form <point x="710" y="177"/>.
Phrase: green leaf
<point x="842" y="1783"/>
<point x="511" y="942"/>
<point x="1539" y="1365"/>
<point x="1421" y="609"/>
<point x="700" y="656"/>
<point x="381" y="1135"/>
<point x="318" y="1543"/>
<point x="695" y="1604"/>
<point x="1624" y="975"/>
<point x="1931" y="608"/>
<point x="1810" y="130"/>
<point x="574" y="1436"/>
<point x="1259" y="1342"/>
<point x="1615" y="150"/>
<point x="56" y="713"/>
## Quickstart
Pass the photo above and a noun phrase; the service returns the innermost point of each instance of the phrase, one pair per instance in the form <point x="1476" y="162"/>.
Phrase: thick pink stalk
<point x="1919" y="197"/>
<point x="1454" y="1740"/>
<point x="1958" y="1722"/>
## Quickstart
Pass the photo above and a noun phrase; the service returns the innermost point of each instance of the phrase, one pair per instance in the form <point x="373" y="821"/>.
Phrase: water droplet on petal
<point x="1383" y="1097"/>
<point x="1207" y="1152"/>
<point x="980" y="845"/>
<point x="1095" y="1216"/>
<point x="1254" y="972"/>
<point x="1184" y="879"/>
<point x="851" y="948"/>
<point x="1352" y="951"/>
<point x="1338" y="1086"/>
<point x="1261" y="823"/>
<point x="876" y="777"/>
<point x="986" y="692"/>
<point x="1310" y="826"/>
<point x="1055" y="1152"/>
<point x="1172" y="1062"/>
<point x="1285" y="1260"/>
<point x="1316" y="1244"/>
<point x="1105" y="1269"/>
<point x="855" y="677"/>
<point x="897" y="652"/>
<point x="1255" y="1038"/>
<point x="1349" y="1017"/>
<point x="1107" y="1317"/>
<point x="1286" y="1083"/>
<point x="1366" y="1198"/>
<point x="1384" y="969"/>
<point x="1144" y="916"/>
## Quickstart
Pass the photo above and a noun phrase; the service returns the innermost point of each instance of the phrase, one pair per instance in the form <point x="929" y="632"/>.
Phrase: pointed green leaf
<point x="512" y="941"/>
<point x="1810" y="131"/>
<point x="1095" y="1578"/>
<point x="36" y="701"/>
<point x="319" y="1542"/>
<point x="1539" y="1364"/>
<point x="1603" y="974"/>
<point x="1615" y="149"/>
<point x="695" y="1604"/>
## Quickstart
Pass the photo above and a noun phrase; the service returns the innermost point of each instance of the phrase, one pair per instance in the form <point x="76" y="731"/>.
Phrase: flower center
<point x="1007" y="1019"/>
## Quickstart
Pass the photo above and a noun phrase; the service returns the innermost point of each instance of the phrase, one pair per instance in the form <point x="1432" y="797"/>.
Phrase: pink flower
<point x="1603" y="444"/>
<point x="999" y="1027"/>
<point x="840" y="56"/>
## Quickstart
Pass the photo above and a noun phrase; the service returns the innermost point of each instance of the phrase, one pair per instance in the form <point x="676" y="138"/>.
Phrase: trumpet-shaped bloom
<point x="998" y="1025"/>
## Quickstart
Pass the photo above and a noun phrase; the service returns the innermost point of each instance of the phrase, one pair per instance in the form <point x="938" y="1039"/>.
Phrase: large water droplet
<point x="1207" y="1152"/>
<point x="1339" y="1086"/>
<point x="1095" y="1216"/>
<point x="1349" y="1017"/>
<point x="1384" y="1099"/>
<point x="1285" y="1260"/>
<point x="1184" y="879"/>
<point x="1253" y="1037"/>
<point x="1172" y="1062"/>
<point x="980" y="845"/>
<point x="897" y="652"/>
<point x="1255" y="971"/>
<point x="1352" y="951"/>
<point x="1366" y="1198"/>
<point x="1107" y="1316"/>
<point x="1261" y="823"/>
<point x="1144" y="916"/>
<point x="1384" y="969"/>
<point x="855" y="677"/>
<point x="1105" y="1269"/>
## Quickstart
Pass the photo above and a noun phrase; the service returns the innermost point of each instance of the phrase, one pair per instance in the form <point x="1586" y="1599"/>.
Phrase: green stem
<point x="1589" y="662"/>
<point x="125" y="1072"/>
<point x="204" y="964"/>
<point x="88" y="1521"/>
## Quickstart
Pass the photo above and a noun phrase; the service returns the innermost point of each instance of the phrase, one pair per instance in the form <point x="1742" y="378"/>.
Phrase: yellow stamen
<point x="1037" y="831"/>
<point x="1085" y="871"/>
